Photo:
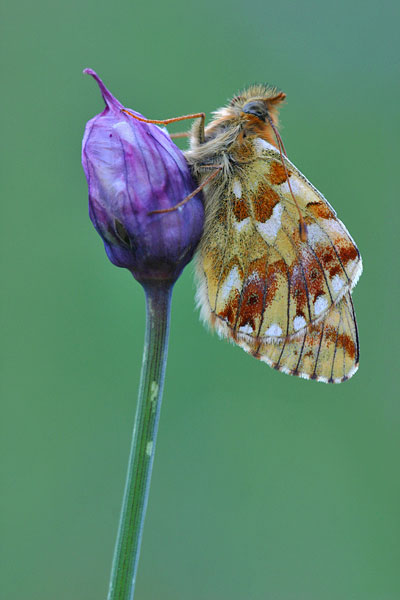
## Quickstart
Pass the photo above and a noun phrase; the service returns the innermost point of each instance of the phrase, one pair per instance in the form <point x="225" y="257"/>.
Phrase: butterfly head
<point x="253" y="111"/>
<point x="258" y="101"/>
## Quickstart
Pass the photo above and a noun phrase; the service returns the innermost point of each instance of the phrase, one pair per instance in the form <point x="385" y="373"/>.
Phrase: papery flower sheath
<point x="133" y="168"/>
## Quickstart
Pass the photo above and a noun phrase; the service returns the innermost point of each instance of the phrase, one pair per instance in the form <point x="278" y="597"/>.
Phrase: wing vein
<point x="319" y="349"/>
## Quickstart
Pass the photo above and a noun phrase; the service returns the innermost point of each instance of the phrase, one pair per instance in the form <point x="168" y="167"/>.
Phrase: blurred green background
<point x="264" y="486"/>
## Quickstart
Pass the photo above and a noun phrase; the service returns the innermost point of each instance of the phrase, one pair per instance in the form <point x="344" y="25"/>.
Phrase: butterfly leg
<point x="196" y="191"/>
<point x="205" y="168"/>
<point x="179" y="134"/>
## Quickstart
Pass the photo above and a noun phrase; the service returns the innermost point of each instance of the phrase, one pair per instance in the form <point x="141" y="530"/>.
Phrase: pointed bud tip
<point x="111" y="102"/>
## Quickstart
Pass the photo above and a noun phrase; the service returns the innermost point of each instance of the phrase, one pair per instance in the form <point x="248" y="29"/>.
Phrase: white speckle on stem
<point x="153" y="394"/>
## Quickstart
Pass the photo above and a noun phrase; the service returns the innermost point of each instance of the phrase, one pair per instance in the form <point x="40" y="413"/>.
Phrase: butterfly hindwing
<point x="327" y="351"/>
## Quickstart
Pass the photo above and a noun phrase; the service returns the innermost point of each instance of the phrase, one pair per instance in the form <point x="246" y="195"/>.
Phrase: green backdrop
<point x="264" y="486"/>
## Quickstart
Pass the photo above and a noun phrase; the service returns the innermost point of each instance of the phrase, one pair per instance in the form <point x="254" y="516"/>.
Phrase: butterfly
<point x="275" y="267"/>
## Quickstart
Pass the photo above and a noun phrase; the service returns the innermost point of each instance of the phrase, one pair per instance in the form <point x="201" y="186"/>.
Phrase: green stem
<point x="127" y="549"/>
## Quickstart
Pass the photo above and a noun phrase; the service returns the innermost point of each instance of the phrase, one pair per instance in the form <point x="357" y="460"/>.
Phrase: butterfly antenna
<point x="200" y="116"/>
<point x="282" y="151"/>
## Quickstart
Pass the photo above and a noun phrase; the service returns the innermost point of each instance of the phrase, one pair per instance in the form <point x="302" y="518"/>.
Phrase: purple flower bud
<point x="133" y="168"/>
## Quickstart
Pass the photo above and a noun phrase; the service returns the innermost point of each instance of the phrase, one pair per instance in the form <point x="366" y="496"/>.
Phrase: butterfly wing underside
<point x="285" y="301"/>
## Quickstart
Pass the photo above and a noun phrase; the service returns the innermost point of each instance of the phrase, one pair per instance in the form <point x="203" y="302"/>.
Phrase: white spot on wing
<point x="357" y="273"/>
<point x="301" y="191"/>
<point x="239" y="225"/>
<point x="334" y="226"/>
<point x="274" y="330"/>
<point x="284" y="187"/>
<point x="237" y="188"/>
<point x="299" y="322"/>
<point x="350" y="267"/>
<point x="337" y="283"/>
<point x="353" y="370"/>
<point x="254" y="184"/>
<point x="254" y="276"/>
<point x="233" y="281"/>
<point x="354" y="270"/>
<point x="246" y="329"/>
<point x="296" y="185"/>
<point x="269" y="229"/>
<point x="304" y="375"/>
<point x="321" y="304"/>
<point x="315" y="234"/>
<point x="261" y="145"/>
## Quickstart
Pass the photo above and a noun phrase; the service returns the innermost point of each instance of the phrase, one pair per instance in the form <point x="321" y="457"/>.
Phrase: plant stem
<point x="127" y="549"/>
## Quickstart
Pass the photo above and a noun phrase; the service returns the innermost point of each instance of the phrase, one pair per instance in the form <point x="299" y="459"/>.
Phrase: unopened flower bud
<point x="133" y="168"/>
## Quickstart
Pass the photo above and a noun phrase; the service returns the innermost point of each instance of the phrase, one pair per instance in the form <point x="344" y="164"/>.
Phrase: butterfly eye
<point x="257" y="109"/>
